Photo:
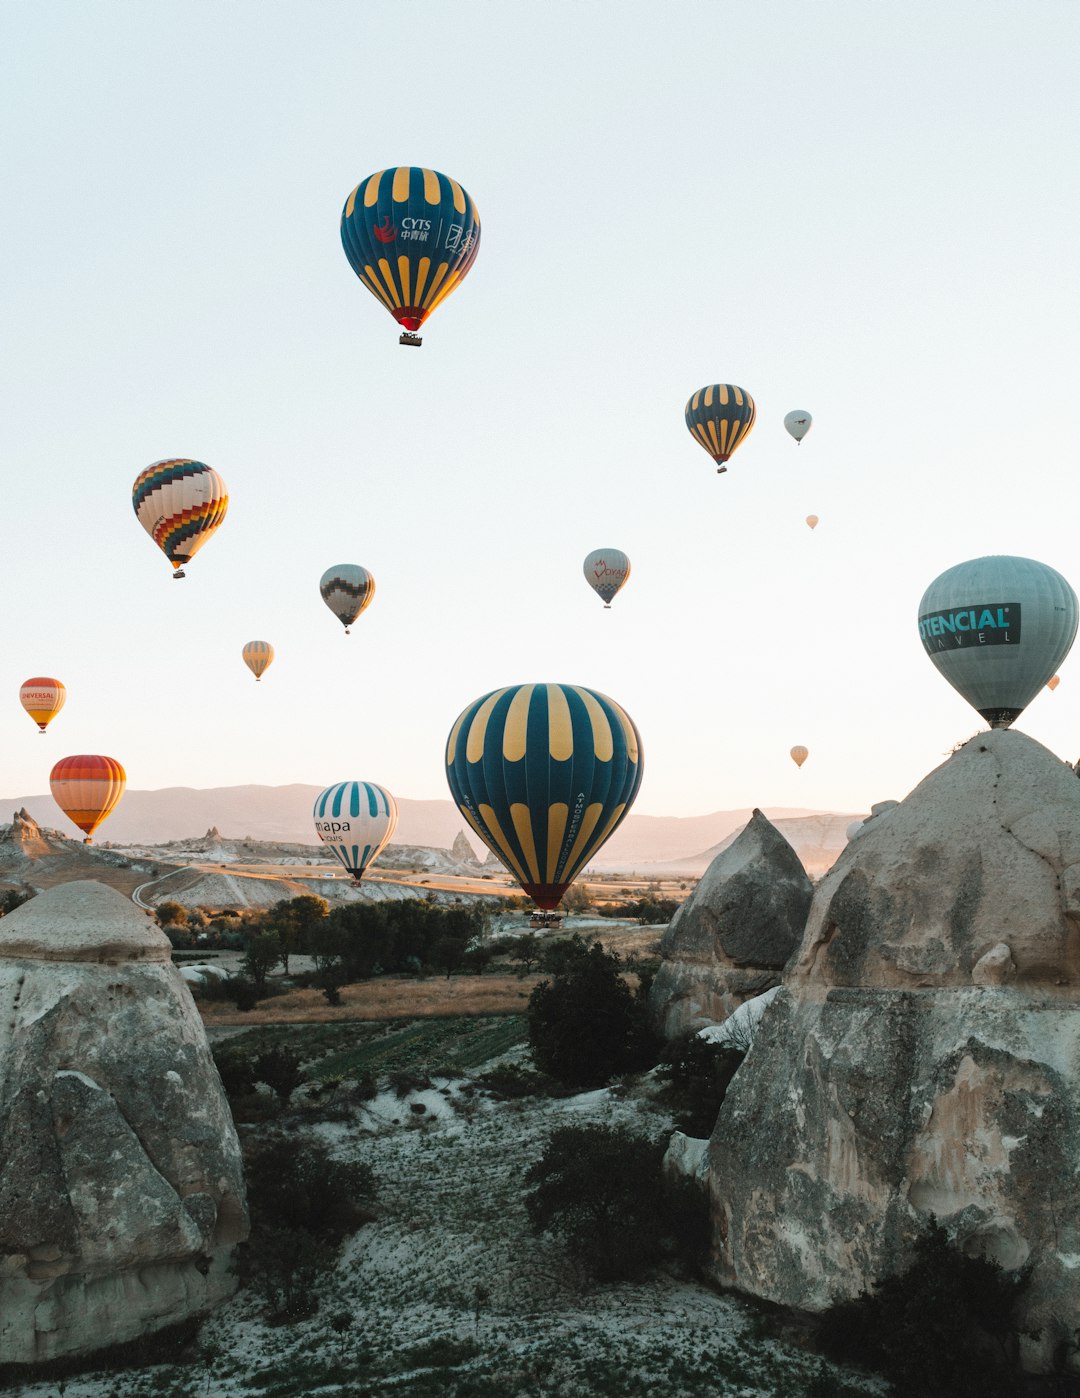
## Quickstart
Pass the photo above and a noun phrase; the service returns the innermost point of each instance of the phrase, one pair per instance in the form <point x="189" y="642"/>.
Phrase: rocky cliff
<point x="924" y="1054"/>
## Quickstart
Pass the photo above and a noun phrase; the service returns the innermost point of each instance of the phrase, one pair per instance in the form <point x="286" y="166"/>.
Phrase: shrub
<point x="697" y="1074"/>
<point x="941" y="1327"/>
<point x="244" y="993"/>
<point x="587" y="1026"/>
<point x="280" y="1070"/>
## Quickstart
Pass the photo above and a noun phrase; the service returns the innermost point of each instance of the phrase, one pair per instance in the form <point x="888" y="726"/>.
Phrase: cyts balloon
<point x="179" y="503"/>
<point x="720" y="418"/>
<point x="347" y="589"/>
<point x="42" y="697"/>
<point x="799" y="754"/>
<point x="997" y="628"/>
<point x="411" y="235"/>
<point x="258" y="656"/>
<point x="87" y="788"/>
<point x="355" y="820"/>
<point x="606" y="571"/>
<point x="798" y="423"/>
<point x="544" y="773"/>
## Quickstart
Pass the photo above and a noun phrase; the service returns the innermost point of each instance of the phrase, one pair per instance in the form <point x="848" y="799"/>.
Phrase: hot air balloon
<point x="356" y="821"/>
<point x="1051" y="684"/>
<point x="42" y="697"/>
<point x="720" y="417"/>
<point x="87" y="788"/>
<point x="411" y="235"/>
<point x="812" y="521"/>
<point x="855" y="827"/>
<point x="606" y="570"/>
<point x="544" y="773"/>
<point x="998" y="628"/>
<point x="179" y="503"/>
<point x="798" y="423"/>
<point x="258" y="656"/>
<point x="347" y="589"/>
<point x="799" y="754"/>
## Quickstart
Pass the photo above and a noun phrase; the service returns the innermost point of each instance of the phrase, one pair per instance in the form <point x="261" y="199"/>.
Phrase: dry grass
<point x="389" y="997"/>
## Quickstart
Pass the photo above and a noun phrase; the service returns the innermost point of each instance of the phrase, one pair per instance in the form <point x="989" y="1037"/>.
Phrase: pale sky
<point x="864" y="210"/>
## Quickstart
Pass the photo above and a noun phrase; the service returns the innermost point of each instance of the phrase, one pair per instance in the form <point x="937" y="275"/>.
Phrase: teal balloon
<point x="544" y="773"/>
<point x="998" y="628"/>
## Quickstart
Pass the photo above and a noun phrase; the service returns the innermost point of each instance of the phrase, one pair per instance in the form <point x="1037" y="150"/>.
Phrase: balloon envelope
<point x="606" y="570"/>
<point x="1053" y="682"/>
<point x="997" y="628"/>
<point x="720" y="417"/>
<point x="812" y="521"/>
<point x="42" y="697"/>
<point x="179" y="503"/>
<point x="356" y="821"/>
<point x="544" y="773"/>
<point x="798" y="423"/>
<point x="799" y="754"/>
<point x="258" y="655"/>
<point x="87" y="788"/>
<point x="855" y="827"/>
<point x="347" y="589"/>
<point x="411" y="235"/>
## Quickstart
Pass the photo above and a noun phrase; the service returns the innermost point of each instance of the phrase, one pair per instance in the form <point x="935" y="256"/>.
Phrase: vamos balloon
<point x="42" y="697"/>
<point x="180" y="504"/>
<point x="355" y="820"/>
<point x="798" y="423"/>
<point x="411" y="235"/>
<point x="347" y="589"/>
<point x="544" y="773"/>
<point x="606" y="570"/>
<point x="720" y="417"/>
<point x="998" y="628"/>
<point x="87" y="788"/>
<point x="258" y="657"/>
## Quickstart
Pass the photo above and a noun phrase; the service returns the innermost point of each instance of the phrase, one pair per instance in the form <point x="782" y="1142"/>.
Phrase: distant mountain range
<point x="283" y="814"/>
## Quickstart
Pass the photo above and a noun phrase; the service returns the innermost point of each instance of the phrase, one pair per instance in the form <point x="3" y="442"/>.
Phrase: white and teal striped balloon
<point x="355" y="820"/>
<point x="998" y="628"/>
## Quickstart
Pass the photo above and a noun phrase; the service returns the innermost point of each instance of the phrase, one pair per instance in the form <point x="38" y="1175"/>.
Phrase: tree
<point x="11" y="899"/>
<point x="698" y="1074"/>
<point x="448" y="954"/>
<point x="171" y="914"/>
<point x="262" y="955"/>
<point x="599" y="1190"/>
<point x="280" y="1070"/>
<point x="296" y="922"/>
<point x="587" y="1026"/>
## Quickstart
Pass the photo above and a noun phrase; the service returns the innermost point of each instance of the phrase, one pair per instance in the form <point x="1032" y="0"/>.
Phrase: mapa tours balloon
<point x="799" y="754"/>
<point x="998" y="628"/>
<point x="42" y="697"/>
<point x="720" y="417"/>
<point x="258" y="656"/>
<point x="606" y="570"/>
<point x="544" y="773"/>
<point x="411" y="235"/>
<point x="1051" y="684"/>
<point x="355" y="820"/>
<point x="87" y="788"/>
<point x="179" y="503"/>
<point x="798" y="423"/>
<point x="347" y="589"/>
<point x="812" y="521"/>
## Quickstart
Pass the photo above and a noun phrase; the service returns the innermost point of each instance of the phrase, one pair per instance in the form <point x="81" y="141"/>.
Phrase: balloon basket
<point x="720" y="470"/>
<point x="545" y="920"/>
<point x="179" y="574"/>
<point x="405" y="338"/>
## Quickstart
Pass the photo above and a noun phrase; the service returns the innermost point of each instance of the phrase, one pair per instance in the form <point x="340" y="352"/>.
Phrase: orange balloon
<point x="1053" y="682"/>
<point x="799" y="754"/>
<point x="812" y="521"/>
<point x="42" y="697"/>
<point x="87" y="788"/>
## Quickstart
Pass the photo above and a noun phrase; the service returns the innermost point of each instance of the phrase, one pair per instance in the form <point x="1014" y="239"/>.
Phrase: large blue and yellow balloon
<point x="720" y="417"/>
<point x="544" y="773"/>
<point x="411" y="235"/>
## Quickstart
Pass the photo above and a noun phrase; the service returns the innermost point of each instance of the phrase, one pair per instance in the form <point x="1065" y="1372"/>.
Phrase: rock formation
<point x="731" y="938"/>
<point x="121" y="1190"/>
<point x="461" y="850"/>
<point x="924" y="1054"/>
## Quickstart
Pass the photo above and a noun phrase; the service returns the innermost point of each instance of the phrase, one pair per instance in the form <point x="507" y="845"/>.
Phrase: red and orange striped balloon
<point x="42" y="697"/>
<point x="87" y="789"/>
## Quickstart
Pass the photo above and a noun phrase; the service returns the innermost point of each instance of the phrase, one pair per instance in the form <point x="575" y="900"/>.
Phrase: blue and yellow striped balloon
<point x="720" y="417"/>
<point x="411" y="235"/>
<point x="544" y="773"/>
<point x="356" y="821"/>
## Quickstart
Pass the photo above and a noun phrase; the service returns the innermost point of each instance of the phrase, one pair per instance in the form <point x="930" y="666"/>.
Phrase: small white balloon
<point x="798" y="423"/>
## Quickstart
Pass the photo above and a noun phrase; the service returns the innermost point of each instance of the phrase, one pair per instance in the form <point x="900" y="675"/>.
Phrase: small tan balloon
<point x="1053" y="682"/>
<point x="799" y="754"/>
<point x="258" y="655"/>
<point x="812" y="521"/>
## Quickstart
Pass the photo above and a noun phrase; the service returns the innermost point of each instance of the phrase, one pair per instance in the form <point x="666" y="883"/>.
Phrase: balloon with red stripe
<point x="87" y="788"/>
<point x="42" y="697"/>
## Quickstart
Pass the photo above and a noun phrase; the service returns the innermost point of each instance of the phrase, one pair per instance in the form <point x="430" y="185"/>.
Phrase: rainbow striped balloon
<point x="356" y="821"/>
<point x="179" y="503"/>
<point x="544" y="773"/>
<point x="87" y="788"/>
